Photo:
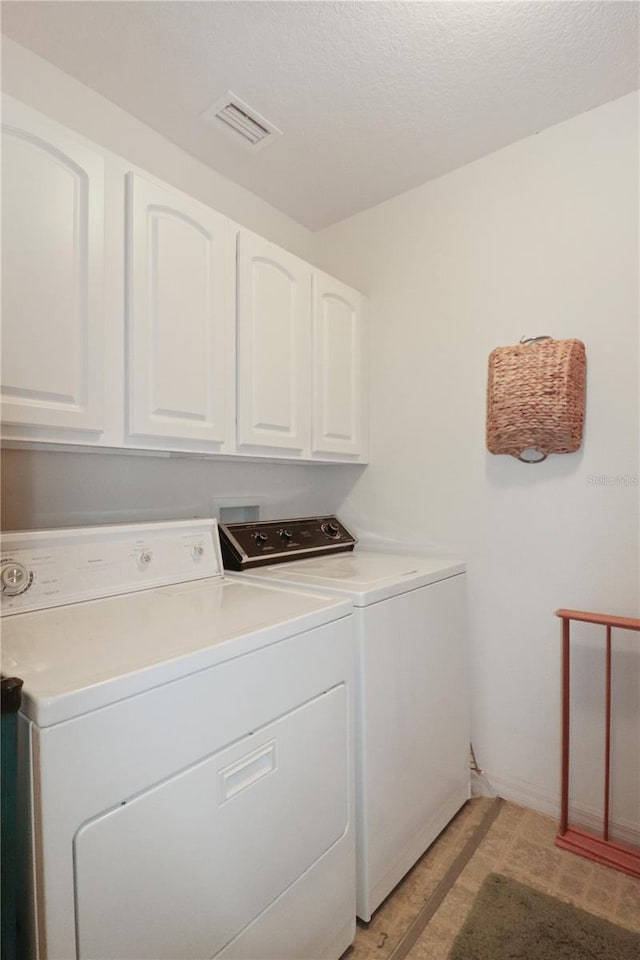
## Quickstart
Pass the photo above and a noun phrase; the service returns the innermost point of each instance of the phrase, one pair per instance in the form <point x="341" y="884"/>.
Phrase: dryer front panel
<point x="255" y="740"/>
<point x="181" y="869"/>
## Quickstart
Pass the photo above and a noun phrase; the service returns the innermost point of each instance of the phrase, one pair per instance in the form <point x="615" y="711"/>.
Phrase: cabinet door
<point x="177" y="306"/>
<point x="274" y="338"/>
<point x="339" y="383"/>
<point x="52" y="275"/>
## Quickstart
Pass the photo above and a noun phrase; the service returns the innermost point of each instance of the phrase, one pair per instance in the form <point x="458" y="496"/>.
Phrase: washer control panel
<point x="246" y="545"/>
<point x="48" y="568"/>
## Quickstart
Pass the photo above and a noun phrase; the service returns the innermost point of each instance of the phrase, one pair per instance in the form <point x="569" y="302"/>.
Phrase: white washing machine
<point x="412" y="681"/>
<point x="185" y="747"/>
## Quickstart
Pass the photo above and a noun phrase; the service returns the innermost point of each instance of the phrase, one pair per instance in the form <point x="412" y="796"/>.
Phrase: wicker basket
<point x="536" y="398"/>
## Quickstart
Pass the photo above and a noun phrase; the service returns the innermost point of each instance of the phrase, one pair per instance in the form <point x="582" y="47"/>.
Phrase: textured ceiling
<point x="373" y="98"/>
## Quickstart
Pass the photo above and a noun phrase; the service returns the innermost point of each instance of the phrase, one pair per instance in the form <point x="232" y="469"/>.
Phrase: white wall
<point x="53" y="489"/>
<point x="539" y="238"/>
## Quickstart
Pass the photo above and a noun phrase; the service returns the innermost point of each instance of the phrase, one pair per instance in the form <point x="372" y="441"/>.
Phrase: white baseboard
<point x="533" y="797"/>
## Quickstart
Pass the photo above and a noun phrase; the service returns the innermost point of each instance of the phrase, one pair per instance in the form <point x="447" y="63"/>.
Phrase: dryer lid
<point x="84" y="656"/>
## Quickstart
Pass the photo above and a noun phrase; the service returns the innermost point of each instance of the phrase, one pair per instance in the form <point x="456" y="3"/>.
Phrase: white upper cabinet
<point x="179" y="267"/>
<point x="53" y="308"/>
<point x="136" y="317"/>
<point x="339" y="422"/>
<point x="274" y="341"/>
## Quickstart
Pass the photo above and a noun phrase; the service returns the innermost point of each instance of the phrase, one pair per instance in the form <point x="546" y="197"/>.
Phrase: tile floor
<point x="519" y="844"/>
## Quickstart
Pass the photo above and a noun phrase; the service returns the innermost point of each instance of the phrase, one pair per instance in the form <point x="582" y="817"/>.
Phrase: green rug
<point x="509" y="921"/>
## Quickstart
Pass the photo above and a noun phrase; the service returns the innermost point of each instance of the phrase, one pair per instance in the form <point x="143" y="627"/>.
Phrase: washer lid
<point x="363" y="576"/>
<point x="83" y="656"/>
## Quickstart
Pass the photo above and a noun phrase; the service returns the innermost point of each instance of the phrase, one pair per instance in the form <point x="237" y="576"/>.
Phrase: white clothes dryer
<point x="412" y="681"/>
<point x="185" y="748"/>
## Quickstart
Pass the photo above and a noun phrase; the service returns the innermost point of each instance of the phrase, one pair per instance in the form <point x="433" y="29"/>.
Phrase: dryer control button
<point x="14" y="578"/>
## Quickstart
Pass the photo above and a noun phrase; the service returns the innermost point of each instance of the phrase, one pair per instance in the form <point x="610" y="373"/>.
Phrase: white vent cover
<point x="241" y="120"/>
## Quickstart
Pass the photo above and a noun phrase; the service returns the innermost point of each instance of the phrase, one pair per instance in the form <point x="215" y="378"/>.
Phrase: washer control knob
<point x="144" y="558"/>
<point x="286" y="534"/>
<point x="331" y="529"/>
<point x="197" y="551"/>
<point x="260" y="538"/>
<point x="14" y="578"/>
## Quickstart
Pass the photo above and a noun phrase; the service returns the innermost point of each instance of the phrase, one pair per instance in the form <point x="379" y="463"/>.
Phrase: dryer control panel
<point x="49" y="568"/>
<point x="247" y="545"/>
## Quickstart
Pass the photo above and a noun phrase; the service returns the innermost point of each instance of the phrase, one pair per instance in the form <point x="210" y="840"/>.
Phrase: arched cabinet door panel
<point x="274" y="342"/>
<point x="53" y="308"/>
<point x="177" y="314"/>
<point x="339" y="381"/>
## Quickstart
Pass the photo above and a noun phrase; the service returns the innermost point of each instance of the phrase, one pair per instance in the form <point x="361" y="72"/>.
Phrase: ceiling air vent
<point x="241" y="120"/>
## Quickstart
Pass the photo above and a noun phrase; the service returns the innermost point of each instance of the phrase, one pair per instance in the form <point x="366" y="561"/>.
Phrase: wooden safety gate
<point x="593" y="846"/>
